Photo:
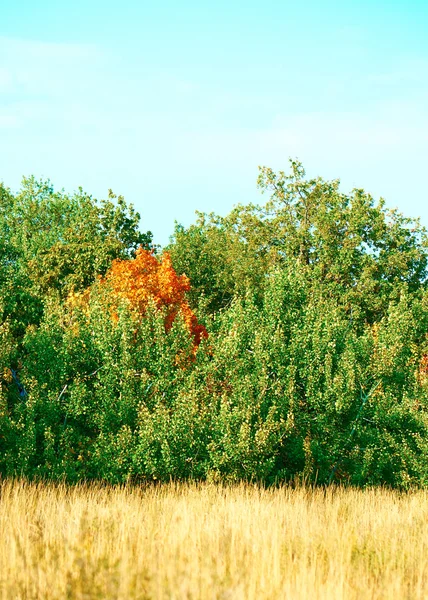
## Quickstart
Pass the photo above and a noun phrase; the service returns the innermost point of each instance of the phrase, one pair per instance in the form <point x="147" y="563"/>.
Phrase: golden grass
<point x="211" y="542"/>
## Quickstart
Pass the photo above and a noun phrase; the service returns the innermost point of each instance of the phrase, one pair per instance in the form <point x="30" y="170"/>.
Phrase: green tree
<point x="53" y="243"/>
<point x="224" y="256"/>
<point x="315" y="366"/>
<point x="359" y="250"/>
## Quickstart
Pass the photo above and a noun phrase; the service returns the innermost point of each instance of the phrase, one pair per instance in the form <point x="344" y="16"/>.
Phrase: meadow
<point x="211" y="541"/>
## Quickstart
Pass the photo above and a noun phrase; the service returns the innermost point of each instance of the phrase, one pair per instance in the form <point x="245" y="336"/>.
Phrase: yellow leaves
<point x="7" y="375"/>
<point x="78" y="300"/>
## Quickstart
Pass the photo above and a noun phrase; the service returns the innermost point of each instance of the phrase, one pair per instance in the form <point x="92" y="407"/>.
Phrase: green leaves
<point x="53" y="243"/>
<point x="314" y="368"/>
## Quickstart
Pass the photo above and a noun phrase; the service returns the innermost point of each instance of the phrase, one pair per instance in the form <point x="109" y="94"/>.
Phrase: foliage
<point x="360" y="251"/>
<point x="315" y="367"/>
<point x="53" y="243"/>
<point x="145" y="279"/>
<point x="223" y="257"/>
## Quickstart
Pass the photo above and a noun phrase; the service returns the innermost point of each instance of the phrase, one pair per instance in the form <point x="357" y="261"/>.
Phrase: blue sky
<point x="175" y="104"/>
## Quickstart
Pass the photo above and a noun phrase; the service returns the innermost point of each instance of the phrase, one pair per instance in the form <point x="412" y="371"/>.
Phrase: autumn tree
<point x="146" y="279"/>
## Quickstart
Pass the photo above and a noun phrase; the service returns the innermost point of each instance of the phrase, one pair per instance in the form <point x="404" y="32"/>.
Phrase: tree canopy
<point x="356" y="248"/>
<point x="282" y="342"/>
<point x="55" y="243"/>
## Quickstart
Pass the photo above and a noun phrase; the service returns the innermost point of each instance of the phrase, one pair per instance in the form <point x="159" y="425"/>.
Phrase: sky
<point x="176" y="104"/>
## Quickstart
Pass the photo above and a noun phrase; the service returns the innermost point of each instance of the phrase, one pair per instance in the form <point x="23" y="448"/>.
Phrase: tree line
<point x="285" y="341"/>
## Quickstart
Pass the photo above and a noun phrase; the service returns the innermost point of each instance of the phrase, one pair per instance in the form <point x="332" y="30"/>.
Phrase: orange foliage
<point x="146" y="279"/>
<point x="423" y="369"/>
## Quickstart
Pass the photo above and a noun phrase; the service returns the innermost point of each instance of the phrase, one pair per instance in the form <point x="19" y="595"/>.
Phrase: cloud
<point x="31" y="68"/>
<point x="40" y="82"/>
<point x="33" y="50"/>
<point x="405" y="72"/>
<point x="351" y="135"/>
<point x="8" y="122"/>
<point x="5" y="80"/>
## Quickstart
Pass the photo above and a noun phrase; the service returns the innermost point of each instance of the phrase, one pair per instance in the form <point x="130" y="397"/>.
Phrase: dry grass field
<point x="211" y="542"/>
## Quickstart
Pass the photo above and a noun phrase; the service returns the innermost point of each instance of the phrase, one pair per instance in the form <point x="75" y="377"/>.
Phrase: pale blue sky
<point x="175" y="104"/>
